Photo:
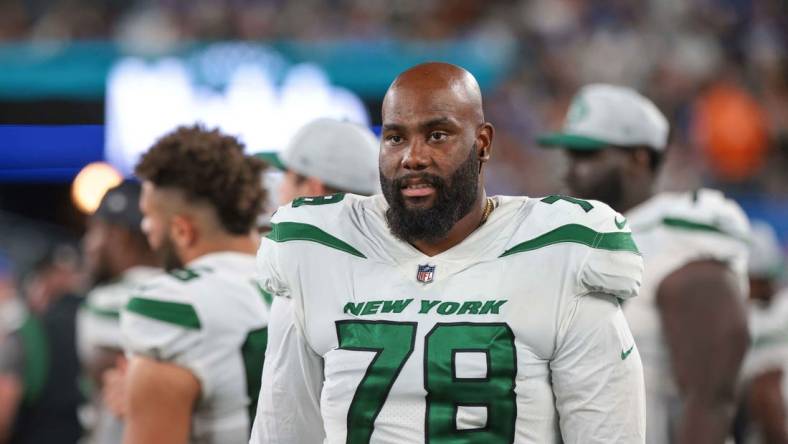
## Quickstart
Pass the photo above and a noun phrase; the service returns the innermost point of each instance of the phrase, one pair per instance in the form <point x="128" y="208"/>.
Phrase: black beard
<point x="168" y="255"/>
<point x="454" y="199"/>
<point x="608" y="189"/>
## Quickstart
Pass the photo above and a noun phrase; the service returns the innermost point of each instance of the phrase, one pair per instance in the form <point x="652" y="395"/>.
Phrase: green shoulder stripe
<point x="170" y="312"/>
<point x="290" y="231"/>
<point x="686" y="224"/>
<point x="268" y="298"/>
<point x="579" y="234"/>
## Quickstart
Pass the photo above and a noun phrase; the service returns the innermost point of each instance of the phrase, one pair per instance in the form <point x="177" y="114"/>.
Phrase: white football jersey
<point x="98" y="327"/>
<point x="209" y="318"/>
<point x="515" y="335"/>
<point x="98" y="320"/>
<point x="768" y="348"/>
<point x="672" y="230"/>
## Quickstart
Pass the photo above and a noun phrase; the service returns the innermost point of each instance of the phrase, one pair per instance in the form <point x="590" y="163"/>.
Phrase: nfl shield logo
<point x="426" y="273"/>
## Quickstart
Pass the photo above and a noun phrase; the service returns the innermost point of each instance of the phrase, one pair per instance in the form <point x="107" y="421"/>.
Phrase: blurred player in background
<point x="119" y="261"/>
<point x="689" y="321"/>
<point x="327" y="156"/>
<point x="439" y="314"/>
<point x="15" y="387"/>
<point x="764" y="369"/>
<point x="39" y="368"/>
<point x="196" y="336"/>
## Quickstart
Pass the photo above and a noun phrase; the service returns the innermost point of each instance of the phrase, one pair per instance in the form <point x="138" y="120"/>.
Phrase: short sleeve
<point x="613" y="264"/>
<point x="615" y="273"/>
<point x="166" y="331"/>
<point x="268" y="269"/>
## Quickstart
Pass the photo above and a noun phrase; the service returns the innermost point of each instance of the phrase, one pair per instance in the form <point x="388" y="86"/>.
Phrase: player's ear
<point x="484" y="140"/>
<point x="182" y="231"/>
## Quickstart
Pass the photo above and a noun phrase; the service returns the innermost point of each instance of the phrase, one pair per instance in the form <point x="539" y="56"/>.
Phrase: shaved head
<point x="434" y="144"/>
<point x="439" y="82"/>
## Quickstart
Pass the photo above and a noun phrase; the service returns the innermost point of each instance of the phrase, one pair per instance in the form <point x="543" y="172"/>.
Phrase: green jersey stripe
<point x="686" y="224"/>
<point x="102" y="312"/>
<point x="579" y="234"/>
<point x="290" y="231"/>
<point x="170" y="312"/>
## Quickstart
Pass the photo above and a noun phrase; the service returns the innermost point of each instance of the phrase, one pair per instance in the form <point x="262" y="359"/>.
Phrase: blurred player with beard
<point x="434" y="313"/>
<point x="689" y="321"/>
<point x="119" y="261"/>
<point x="196" y="336"/>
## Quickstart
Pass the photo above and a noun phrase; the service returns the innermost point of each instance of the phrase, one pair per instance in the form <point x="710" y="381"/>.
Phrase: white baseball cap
<point x="341" y="154"/>
<point x="603" y="115"/>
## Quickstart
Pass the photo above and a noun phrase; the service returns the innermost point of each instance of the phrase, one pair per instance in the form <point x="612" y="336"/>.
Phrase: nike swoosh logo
<point x="621" y="224"/>
<point x="625" y="354"/>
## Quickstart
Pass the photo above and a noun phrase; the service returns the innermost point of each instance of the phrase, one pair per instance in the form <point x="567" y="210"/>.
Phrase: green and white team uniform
<point x="98" y="328"/>
<point x="515" y="335"/>
<point x="768" y="349"/>
<point x="672" y="230"/>
<point x="209" y="318"/>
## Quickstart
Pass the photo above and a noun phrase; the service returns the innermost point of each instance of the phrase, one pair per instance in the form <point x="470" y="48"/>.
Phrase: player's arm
<point x="160" y="398"/>
<point x="705" y="327"/>
<point x="10" y="397"/>
<point x="288" y="410"/>
<point x="766" y="406"/>
<point x="597" y="376"/>
<point x="11" y="385"/>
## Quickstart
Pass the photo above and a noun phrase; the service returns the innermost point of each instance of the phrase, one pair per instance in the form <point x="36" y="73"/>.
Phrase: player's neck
<point x="462" y="229"/>
<point x="134" y="259"/>
<point x="245" y="244"/>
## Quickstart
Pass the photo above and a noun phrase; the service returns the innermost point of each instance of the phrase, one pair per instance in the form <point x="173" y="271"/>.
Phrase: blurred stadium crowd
<point x="718" y="69"/>
<point x="715" y="67"/>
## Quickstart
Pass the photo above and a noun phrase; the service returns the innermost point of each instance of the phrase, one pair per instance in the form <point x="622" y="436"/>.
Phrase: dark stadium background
<point x="530" y="56"/>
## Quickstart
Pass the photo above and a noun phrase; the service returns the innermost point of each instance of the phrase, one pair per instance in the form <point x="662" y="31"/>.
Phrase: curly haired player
<point x="196" y="336"/>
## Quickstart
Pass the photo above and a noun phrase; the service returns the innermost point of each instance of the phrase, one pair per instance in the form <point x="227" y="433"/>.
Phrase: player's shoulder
<point x="558" y="218"/>
<point x="319" y="211"/>
<point x="700" y="211"/>
<point x="177" y="285"/>
<point x="332" y="221"/>
<point x="586" y="234"/>
<point x="173" y="297"/>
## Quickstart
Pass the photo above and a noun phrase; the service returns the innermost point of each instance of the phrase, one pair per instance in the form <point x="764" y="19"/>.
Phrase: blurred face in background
<point x="97" y="244"/>
<point x="598" y="174"/>
<point x="158" y="210"/>
<point x="294" y="185"/>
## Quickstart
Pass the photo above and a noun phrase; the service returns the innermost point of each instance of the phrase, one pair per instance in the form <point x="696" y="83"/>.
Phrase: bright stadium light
<point x="92" y="183"/>
<point x="261" y="102"/>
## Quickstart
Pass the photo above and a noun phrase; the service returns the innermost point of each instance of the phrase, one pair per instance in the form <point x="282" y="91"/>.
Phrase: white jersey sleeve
<point x="596" y="373"/>
<point x="769" y="337"/>
<point x="288" y="410"/>
<point x="614" y="264"/>
<point x="597" y="376"/>
<point x="162" y="324"/>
